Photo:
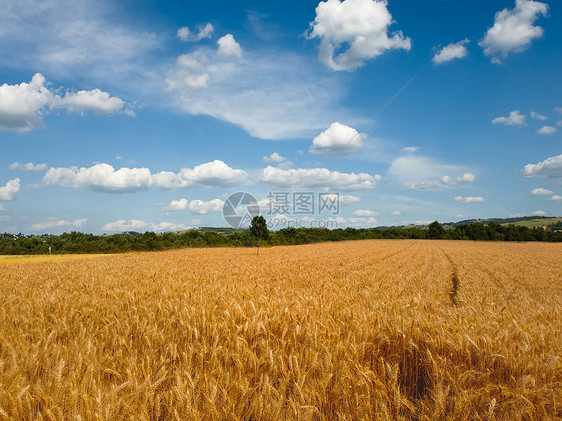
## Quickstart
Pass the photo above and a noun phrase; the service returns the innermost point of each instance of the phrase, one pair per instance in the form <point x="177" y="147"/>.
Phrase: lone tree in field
<point x="436" y="230"/>
<point x="258" y="228"/>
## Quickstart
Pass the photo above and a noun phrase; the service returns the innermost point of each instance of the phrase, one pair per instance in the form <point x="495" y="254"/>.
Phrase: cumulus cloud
<point x="556" y="197"/>
<point x="100" y="177"/>
<point x="362" y="25"/>
<point x="514" y="119"/>
<point x="176" y="205"/>
<point x="395" y="213"/>
<point x="540" y="192"/>
<point x="122" y="225"/>
<point x="271" y="94"/>
<point x="202" y="208"/>
<point x="424" y="173"/>
<point x="513" y="29"/>
<point x="95" y="100"/>
<point x="51" y="223"/>
<point x="30" y="166"/>
<point x="275" y="158"/>
<point x="410" y="149"/>
<point x="10" y="189"/>
<point x="451" y="52"/>
<point x="547" y="130"/>
<point x="320" y="178"/>
<point x="228" y="47"/>
<point x="550" y="168"/>
<point x="537" y="116"/>
<point x="469" y="199"/>
<point x="210" y="174"/>
<point x="364" y="212"/>
<point x="185" y="34"/>
<point x="23" y="105"/>
<point x="539" y="213"/>
<point x="337" y="139"/>
<point x="459" y="180"/>
<point x="343" y="199"/>
<point x="103" y="177"/>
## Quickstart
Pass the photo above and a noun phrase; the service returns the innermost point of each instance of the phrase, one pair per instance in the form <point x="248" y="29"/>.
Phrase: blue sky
<point x="147" y="115"/>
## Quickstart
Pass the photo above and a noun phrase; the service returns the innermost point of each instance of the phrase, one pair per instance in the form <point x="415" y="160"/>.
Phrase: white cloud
<point x="320" y="178"/>
<point x="556" y="197"/>
<point x="513" y="29"/>
<point x="537" y="116"/>
<point x="30" y="166"/>
<point x="122" y="225"/>
<point x="281" y="161"/>
<point x="271" y="94"/>
<point x="459" y="180"/>
<point x="9" y="191"/>
<point x="23" y="105"/>
<point x="176" y="205"/>
<point x="210" y="174"/>
<point x="364" y="212"/>
<point x="360" y="221"/>
<point x="347" y="199"/>
<point x="54" y="223"/>
<point x="539" y="213"/>
<point x="361" y="24"/>
<point x="395" y="213"/>
<point x="274" y="158"/>
<point x="514" y="119"/>
<point x="100" y="177"/>
<point x="228" y="47"/>
<point x="95" y="100"/>
<point x="344" y="199"/>
<point x="104" y="177"/>
<point x="540" y="192"/>
<point x="451" y="52"/>
<point x="469" y="199"/>
<point x="202" y="208"/>
<point x="411" y="149"/>
<point x="185" y="34"/>
<point x="546" y="130"/>
<point x="337" y="139"/>
<point x="424" y="173"/>
<point x="550" y="168"/>
<point x="70" y="38"/>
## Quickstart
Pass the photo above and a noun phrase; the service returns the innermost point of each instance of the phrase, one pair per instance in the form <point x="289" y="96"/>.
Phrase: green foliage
<point x="258" y="228"/>
<point x="436" y="231"/>
<point x="76" y="242"/>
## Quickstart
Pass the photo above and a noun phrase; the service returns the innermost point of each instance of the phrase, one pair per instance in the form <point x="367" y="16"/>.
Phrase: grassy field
<point x="532" y="223"/>
<point x="380" y="329"/>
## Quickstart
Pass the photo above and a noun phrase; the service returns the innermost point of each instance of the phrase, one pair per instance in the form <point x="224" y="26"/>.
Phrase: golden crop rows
<point x="333" y="331"/>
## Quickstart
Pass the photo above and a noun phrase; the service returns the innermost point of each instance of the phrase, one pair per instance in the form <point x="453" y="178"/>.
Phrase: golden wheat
<point x="338" y="331"/>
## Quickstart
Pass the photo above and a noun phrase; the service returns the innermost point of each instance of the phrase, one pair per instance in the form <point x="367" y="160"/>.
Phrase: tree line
<point x="77" y="242"/>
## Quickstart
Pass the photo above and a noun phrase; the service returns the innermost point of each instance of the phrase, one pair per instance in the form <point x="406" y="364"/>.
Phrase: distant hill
<point x="526" y="221"/>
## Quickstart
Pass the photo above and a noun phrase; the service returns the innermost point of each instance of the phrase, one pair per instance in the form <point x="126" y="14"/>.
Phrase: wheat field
<point x="379" y="329"/>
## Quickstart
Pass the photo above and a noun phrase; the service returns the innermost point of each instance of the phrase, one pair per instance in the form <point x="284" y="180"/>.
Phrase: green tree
<point x="258" y="228"/>
<point x="436" y="230"/>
